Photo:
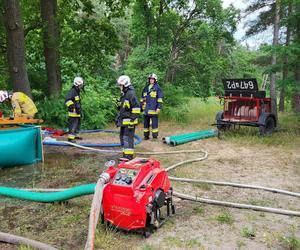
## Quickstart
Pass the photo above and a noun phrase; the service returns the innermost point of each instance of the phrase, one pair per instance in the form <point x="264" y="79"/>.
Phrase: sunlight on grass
<point x="203" y="111"/>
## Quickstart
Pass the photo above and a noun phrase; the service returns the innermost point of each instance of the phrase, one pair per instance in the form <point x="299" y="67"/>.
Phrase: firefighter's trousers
<point x="127" y="141"/>
<point x="74" y="127"/>
<point x="147" y="120"/>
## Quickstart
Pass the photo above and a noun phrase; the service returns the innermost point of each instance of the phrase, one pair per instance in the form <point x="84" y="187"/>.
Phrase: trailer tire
<point x="268" y="127"/>
<point x="219" y="118"/>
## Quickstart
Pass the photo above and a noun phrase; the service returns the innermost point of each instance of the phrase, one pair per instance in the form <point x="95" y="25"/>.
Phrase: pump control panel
<point x="125" y="176"/>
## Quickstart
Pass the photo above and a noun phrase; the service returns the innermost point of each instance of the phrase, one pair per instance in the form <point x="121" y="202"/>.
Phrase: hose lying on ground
<point x="53" y="142"/>
<point x="18" y="240"/>
<point x="48" y="196"/>
<point x="239" y="185"/>
<point x="95" y="210"/>
<point x="236" y="205"/>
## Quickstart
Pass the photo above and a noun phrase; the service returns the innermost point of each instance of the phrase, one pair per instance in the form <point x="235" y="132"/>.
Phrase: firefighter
<point x="127" y="119"/>
<point x="73" y="103"/>
<point x="151" y="102"/>
<point x="22" y="105"/>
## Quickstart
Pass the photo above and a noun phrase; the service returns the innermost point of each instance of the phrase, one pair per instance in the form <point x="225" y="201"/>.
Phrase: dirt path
<point x="199" y="226"/>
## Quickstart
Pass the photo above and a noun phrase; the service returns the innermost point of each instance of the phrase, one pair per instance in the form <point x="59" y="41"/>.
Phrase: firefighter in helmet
<point x="127" y="119"/>
<point x="73" y="104"/>
<point x="151" y="102"/>
<point x="22" y="104"/>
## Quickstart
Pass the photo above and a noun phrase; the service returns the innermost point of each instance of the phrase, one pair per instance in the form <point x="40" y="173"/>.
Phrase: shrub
<point x="175" y="103"/>
<point x="98" y="107"/>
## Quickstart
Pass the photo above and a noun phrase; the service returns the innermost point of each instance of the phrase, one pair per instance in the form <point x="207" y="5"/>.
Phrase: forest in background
<point x="188" y="44"/>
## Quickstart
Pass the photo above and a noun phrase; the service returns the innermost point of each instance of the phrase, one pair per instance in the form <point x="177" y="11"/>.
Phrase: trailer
<point x="245" y="105"/>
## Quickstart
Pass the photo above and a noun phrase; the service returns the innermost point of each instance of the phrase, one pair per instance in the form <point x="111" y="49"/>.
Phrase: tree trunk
<point x="296" y="94"/>
<point x="273" y="61"/>
<point x="282" y="95"/>
<point x="158" y="23"/>
<point x="51" y="45"/>
<point x="15" y="46"/>
<point x="171" y="71"/>
<point x="285" y="71"/>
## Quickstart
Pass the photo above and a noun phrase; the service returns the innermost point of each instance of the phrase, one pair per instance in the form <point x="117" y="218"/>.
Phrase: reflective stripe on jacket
<point x="129" y="108"/>
<point x="152" y="99"/>
<point x="73" y="98"/>
<point x="22" y="104"/>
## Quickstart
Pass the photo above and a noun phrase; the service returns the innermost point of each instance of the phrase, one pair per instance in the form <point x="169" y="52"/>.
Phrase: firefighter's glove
<point x="117" y="121"/>
<point x="78" y="108"/>
<point x="71" y="108"/>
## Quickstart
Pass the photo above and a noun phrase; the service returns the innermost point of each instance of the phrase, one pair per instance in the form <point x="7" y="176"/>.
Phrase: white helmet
<point x="153" y="76"/>
<point x="124" y="81"/>
<point x="78" y="81"/>
<point x="3" y="95"/>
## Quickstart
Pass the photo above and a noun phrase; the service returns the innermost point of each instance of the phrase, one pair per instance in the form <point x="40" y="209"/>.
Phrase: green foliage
<point x="198" y="210"/>
<point x="143" y="62"/>
<point x="225" y="218"/>
<point x="189" y="45"/>
<point x="290" y="242"/>
<point x="52" y="111"/>
<point x="182" y="49"/>
<point x="248" y="232"/>
<point x="175" y="101"/>
<point x="98" y="106"/>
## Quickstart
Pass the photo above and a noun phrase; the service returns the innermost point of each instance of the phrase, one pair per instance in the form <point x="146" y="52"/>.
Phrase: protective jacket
<point x="73" y="103"/>
<point x="152" y="99"/>
<point x="22" y="105"/>
<point x="129" y="108"/>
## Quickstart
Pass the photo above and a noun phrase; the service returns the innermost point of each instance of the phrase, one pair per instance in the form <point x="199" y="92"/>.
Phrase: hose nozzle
<point x="105" y="177"/>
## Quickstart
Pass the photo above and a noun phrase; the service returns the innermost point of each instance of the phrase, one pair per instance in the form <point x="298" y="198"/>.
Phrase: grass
<point x="198" y="210"/>
<point x="149" y="247"/>
<point x="174" y="242"/>
<point x="257" y="202"/>
<point x="200" y="114"/>
<point x="249" y="233"/>
<point x="106" y="238"/>
<point x="290" y="242"/>
<point x="203" y="186"/>
<point x="22" y="247"/>
<point x="240" y="244"/>
<point x="225" y="218"/>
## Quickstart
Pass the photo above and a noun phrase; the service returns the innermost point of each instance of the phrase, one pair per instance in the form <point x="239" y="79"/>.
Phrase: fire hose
<point x="97" y="199"/>
<point x="17" y="240"/>
<point x="95" y="209"/>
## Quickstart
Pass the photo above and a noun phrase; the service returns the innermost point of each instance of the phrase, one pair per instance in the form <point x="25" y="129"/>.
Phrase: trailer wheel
<point x="268" y="127"/>
<point x="219" y="118"/>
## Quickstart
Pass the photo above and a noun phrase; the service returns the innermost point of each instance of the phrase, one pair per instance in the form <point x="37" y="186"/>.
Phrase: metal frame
<point x="244" y="110"/>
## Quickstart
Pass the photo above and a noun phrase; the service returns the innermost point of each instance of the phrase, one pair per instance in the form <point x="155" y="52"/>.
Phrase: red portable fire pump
<point x="138" y="196"/>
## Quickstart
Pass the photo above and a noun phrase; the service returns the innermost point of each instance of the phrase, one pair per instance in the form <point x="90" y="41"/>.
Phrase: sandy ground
<point x="196" y="226"/>
<point x="201" y="226"/>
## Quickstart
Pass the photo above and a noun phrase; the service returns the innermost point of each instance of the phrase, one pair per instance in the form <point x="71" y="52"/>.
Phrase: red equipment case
<point x="138" y="192"/>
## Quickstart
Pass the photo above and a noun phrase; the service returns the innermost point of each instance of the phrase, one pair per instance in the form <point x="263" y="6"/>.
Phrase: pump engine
<point x="138" y="196"/>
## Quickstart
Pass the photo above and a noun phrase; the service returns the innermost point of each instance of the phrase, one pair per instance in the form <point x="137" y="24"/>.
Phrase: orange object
<point x="19" y="120"/>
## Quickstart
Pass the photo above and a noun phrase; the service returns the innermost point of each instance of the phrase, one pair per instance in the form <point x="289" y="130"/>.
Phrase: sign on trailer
<point x="240" y="84"/>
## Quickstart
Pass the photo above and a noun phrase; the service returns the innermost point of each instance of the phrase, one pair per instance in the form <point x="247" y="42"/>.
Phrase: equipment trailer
<point x="245" y="105"/>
